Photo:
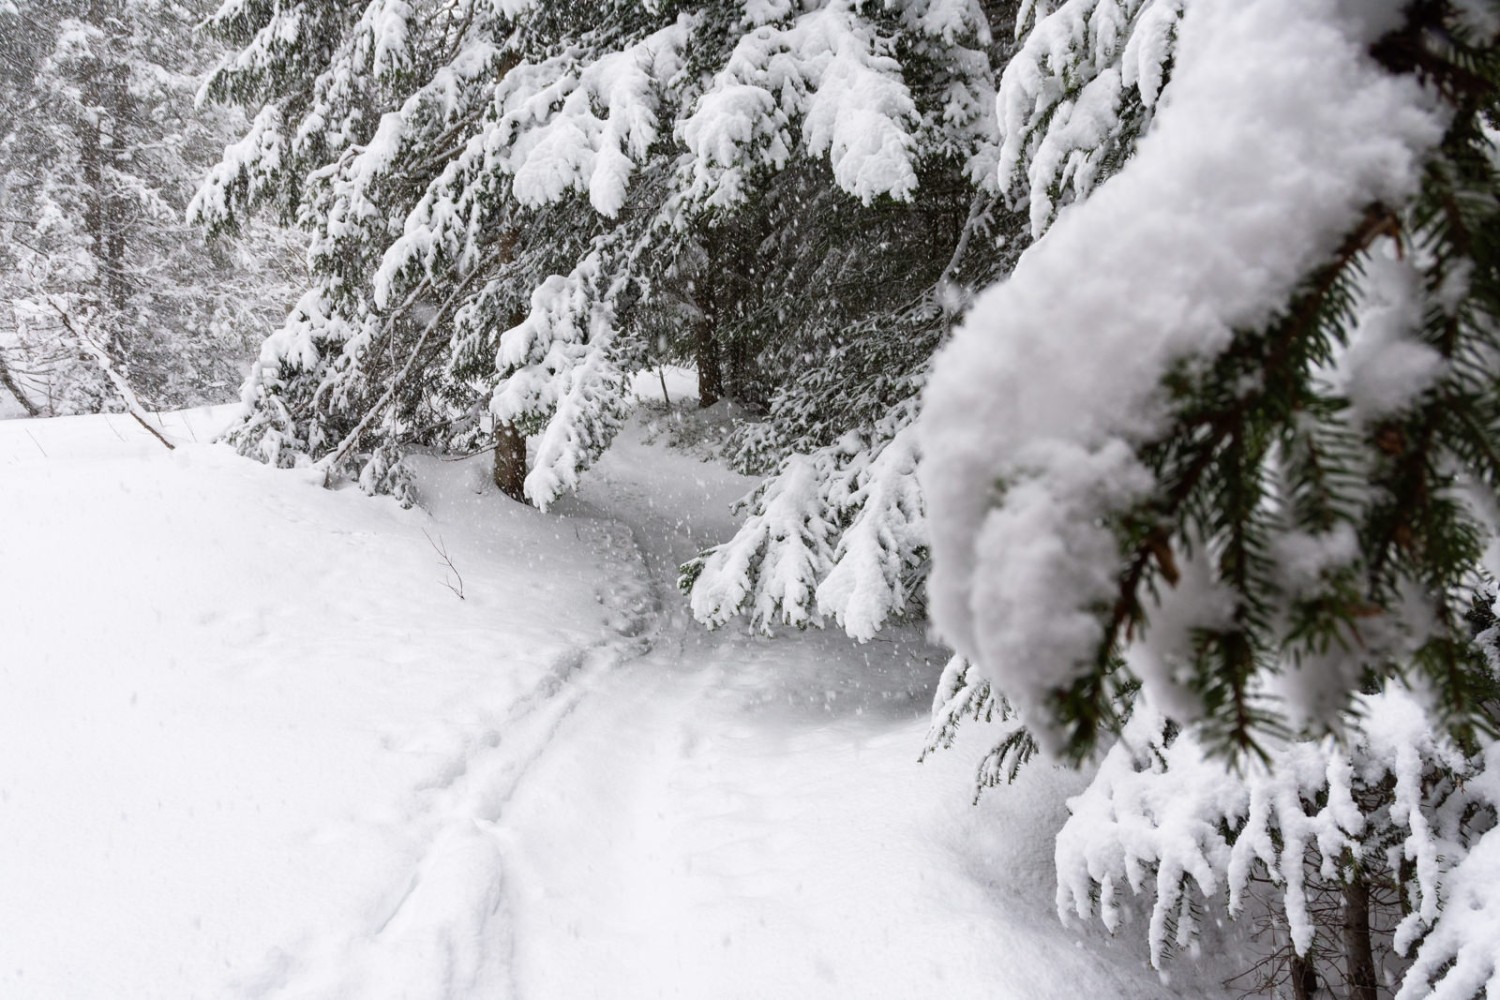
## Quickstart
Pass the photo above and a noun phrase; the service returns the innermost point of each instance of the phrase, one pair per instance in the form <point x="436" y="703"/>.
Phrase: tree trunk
<point x="510" y="461"/>
<point x="91" y="154"/>
<point x="103" y="147"/>
<point x="710" y="372"/>
<point x="1304" y="978"/>
<point x="114" y="207"/>
<point x="706" y="355"/>
<point x="1359" y="954"/>
<point x="737" y="380"/>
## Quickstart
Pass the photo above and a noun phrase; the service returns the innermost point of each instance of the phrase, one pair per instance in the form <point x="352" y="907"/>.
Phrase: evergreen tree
<point x="515" y="205"/>
<point x="107" y="294"/>
<point x="863" y="296"/>
<point x="1243" y="459"/>
<point x="1228" y="487"/>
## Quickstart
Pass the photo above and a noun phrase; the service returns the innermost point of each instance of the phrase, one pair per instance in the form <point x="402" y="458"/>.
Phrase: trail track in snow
<point x="448" y="930"/>
<point x="726" y="815"/>
<point x="280" y="760"/>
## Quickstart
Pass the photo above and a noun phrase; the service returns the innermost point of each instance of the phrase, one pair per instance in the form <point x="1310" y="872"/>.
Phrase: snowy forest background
<point x="1144" y="353"/>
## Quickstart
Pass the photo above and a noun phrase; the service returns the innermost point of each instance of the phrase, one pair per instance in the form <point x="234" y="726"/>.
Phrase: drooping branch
<point x="118" y="381"/>
<point x="1212" y="430"/>
<point x="330" y="462"/>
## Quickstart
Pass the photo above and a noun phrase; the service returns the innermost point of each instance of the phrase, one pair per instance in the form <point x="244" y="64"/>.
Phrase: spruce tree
<point x="1247" y="524"/>
<point x="1351" y="854"/>
<point x="860" y="297"/>
<point x="1266" y="480"/>
<point x="108" y="294"/>
<point x="513" y="207"/>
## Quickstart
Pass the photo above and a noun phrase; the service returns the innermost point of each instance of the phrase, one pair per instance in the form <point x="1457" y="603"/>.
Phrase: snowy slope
<point x="251" y="745"/>
<point x="234" y="704"/>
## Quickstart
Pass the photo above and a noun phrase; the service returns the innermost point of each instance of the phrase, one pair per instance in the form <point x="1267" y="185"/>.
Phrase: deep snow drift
<point x="253" y="744"/>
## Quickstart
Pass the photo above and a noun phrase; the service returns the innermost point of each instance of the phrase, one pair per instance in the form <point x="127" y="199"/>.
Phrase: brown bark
<point x="706" y="348"/>
<point x="1359" y="953"/>
<point x="510" y="461"/>
<point x="510" y="443"/>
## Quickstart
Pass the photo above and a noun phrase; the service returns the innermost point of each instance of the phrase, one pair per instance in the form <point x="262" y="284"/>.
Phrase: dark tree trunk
<point x="1359" y="953"/>
<point x="707" y="351"/>
<point x="92" y="157"/>
<point x="710" y="372"/>
<point x="510" y="443"/>
<point x="510" y="461"/>
<point x="1304" y="978"/>
<point x="103" y="141"/>
<point x="115" y="221"/>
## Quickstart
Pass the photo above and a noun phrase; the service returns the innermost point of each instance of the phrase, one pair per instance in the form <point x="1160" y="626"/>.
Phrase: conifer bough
<point x="515" y="206"/>
<point x="1243" y="458"/>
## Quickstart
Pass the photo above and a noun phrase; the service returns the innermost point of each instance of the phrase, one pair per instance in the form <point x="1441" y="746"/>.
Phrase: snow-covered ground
<point x="254" y="744"/>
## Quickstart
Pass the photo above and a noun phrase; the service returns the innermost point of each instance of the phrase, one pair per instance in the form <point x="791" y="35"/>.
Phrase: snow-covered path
<point x="252" y="746"/>
<point x="733" y="816"/>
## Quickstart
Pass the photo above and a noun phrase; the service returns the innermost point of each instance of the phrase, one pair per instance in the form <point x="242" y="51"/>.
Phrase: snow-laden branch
<point x="1082" y="87"/>
<point x="1035" y="411"/>
<point x="827" y="69"/>
<point x="557" y="373"/>
<point x="1163" y="819"/>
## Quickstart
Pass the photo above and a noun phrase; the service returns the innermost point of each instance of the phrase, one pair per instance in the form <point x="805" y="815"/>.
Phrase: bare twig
<point x="442" y="550"/>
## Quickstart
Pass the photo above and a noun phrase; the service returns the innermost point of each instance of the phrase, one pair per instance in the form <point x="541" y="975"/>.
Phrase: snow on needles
<point x="836" y="533"/>
<point x="1461" y="955"/>
<point x="1163" y="818"/>
<point x="578" y="150"/>
<point x="828" y="68"/>
<point x="1057" y="115"/>
<point x="557" y="362"/>
<point x="1243" y="185"/>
